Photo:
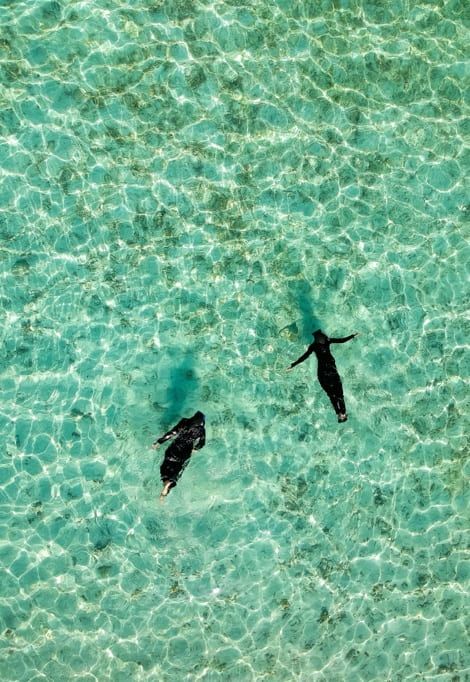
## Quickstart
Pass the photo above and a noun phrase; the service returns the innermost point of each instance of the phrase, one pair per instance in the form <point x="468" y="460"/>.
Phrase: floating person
<point x="190" y="435"/>
<point x="327" y="373"/>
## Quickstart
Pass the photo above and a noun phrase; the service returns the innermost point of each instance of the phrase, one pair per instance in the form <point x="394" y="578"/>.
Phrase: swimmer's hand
<point x="155" y="445"/>
<point x="288" y="369"/>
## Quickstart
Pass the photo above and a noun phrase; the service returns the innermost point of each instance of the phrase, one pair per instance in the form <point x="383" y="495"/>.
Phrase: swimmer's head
<point x="199" y="417"/>
<point x="319" y="336"/>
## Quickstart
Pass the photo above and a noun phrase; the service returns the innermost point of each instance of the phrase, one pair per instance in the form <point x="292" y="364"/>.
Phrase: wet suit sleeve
<point x="303" y="357"/>
<point x="201" y="442"/>
<point x="171" y="433"/>
<point x="342" y="340"/>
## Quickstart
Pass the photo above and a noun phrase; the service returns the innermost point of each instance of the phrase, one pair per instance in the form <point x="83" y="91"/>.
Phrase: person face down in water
<point x="327" y="373"/>
<point x="189" y="434"/>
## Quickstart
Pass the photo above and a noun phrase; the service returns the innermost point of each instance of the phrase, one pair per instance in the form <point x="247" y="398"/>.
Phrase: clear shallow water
<point x="187" y="191"/>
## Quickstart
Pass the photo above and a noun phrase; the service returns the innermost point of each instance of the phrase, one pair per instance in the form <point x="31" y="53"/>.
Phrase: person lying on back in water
<point x="190" y="435"/>
<point x="327" y="373"/>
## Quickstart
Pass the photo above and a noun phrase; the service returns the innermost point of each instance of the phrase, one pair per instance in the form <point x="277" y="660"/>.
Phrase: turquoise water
<point x="187" y="190"/>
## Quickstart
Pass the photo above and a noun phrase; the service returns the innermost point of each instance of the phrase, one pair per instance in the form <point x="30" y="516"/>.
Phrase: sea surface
<point x="187" y="191"/>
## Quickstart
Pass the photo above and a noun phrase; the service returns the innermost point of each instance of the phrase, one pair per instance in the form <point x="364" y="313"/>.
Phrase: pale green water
<point x="187" y="190"/>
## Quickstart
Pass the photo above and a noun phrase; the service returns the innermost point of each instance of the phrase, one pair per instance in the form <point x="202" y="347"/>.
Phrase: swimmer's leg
<point x="334" y="390"/>
<point x="167" y="486"/>
<point x="339" y="407"/>
<point x="169" y="471"/>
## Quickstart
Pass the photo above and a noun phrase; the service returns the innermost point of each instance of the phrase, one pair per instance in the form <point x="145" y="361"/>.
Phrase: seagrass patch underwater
<point x="187" y="191"/>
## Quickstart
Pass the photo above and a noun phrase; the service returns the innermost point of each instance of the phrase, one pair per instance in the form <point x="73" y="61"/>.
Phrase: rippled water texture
<point x="187" y="191"/>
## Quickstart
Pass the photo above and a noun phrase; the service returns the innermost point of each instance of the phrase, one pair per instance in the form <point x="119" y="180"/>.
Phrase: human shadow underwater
<point x="301" y="296"/>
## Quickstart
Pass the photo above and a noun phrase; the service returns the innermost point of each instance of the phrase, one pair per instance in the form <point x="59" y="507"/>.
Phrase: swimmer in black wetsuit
<point x="327" y="373"/>
<point x="190" y="434"/>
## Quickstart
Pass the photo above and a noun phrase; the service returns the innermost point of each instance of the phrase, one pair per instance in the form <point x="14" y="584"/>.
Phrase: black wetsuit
<point x="190" y="435"/>
<point x="327" y="373"/>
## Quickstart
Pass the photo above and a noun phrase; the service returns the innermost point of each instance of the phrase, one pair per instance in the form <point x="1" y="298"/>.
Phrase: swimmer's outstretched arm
<point x="159" y="441"/>
<point x="343" y="339"/>
<point x="303" y="357"/>
<point x="169" y="434"/>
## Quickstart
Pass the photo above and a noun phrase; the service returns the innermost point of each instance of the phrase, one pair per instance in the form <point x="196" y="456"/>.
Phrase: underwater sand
<point x="187" y="190"/>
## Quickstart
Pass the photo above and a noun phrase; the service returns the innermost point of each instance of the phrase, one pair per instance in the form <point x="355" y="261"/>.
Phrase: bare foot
<point x="342" y="417"/>
<point x="166" y="490"/>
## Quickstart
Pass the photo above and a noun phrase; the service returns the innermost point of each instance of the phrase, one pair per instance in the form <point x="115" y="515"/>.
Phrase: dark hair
<point x="319" y="336"/>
